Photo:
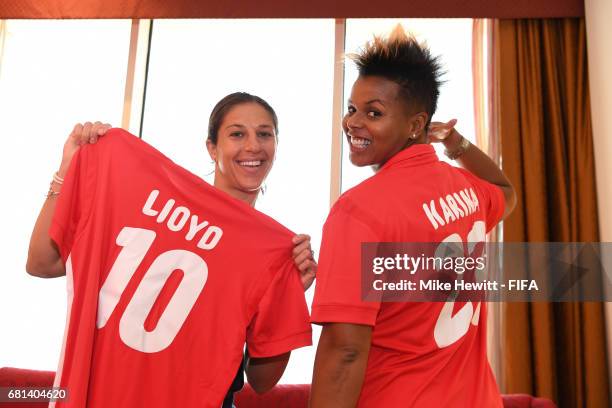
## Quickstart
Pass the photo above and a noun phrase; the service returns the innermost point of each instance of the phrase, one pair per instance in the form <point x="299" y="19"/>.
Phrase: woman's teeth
<point x="359" y="142"/>
<point x="253" y="163"/>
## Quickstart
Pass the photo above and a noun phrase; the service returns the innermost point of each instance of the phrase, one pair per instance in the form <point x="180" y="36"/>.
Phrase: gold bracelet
<point x="458" y="152"/>
<point x="59" y="180"/>
<point x="51" y="192"/>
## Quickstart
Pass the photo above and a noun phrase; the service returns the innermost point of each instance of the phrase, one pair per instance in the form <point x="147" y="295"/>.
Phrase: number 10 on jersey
<point x="135" y="243"/>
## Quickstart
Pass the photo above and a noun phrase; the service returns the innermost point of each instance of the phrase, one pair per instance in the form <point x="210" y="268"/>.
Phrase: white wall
<point x="599" y="35"/>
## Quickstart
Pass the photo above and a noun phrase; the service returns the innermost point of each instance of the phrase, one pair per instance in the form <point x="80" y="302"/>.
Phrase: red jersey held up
<point x="423" y="354"/>
<point x="167" y="277"/>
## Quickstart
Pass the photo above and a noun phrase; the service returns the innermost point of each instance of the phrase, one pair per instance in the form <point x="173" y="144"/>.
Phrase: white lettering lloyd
<point x="177" y="220"/>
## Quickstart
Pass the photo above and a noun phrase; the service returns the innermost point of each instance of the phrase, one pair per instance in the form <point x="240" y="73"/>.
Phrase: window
<point x="53" y="74"/>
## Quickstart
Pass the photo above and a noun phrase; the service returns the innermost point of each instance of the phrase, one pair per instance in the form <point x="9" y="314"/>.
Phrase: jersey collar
<point x="415" y="155"/>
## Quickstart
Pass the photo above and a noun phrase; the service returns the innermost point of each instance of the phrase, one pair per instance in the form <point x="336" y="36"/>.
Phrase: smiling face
<point x="378" y="123"/>
<point x="244" y="151"/>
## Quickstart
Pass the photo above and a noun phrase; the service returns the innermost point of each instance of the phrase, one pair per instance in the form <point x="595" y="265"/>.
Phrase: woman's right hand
<point x="81" y="134"/>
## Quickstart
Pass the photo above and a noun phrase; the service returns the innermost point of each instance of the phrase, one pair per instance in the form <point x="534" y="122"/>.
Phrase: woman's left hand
<point x="438" y="132"/>
<point x="303" y="256"/>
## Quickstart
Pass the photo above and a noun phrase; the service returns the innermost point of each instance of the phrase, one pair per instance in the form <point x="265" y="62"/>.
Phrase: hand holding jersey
<point x="160" y="306"/>
<point x="303" y="256"/>
<point x="81" y="134"/>
<point x="43" y="256"/>
<point x="44" y="260"/>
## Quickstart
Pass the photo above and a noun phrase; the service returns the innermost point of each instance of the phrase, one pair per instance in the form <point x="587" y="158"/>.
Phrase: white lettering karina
<point x="453" y="207"/>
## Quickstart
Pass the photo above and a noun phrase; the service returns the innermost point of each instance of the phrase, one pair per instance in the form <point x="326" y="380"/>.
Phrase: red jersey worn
<point x="168" y="277"/>
<point x="422" y="354"/>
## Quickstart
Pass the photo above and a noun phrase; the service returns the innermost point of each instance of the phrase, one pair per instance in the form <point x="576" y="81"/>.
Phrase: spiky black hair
<point x="402" y="59"/>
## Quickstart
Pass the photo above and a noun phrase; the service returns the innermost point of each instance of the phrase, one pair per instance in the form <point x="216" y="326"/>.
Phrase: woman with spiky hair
<point x="404" y="354"/>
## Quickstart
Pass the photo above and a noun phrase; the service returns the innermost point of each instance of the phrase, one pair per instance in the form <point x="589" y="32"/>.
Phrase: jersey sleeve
<point x="281" y="323"/>
<point x="338" y="294"/>
<point x="490" y="199"/>
<point x="74" y="201"/>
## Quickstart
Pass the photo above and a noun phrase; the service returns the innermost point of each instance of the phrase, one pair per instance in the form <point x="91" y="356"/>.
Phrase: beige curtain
<point x="487" y="139"/>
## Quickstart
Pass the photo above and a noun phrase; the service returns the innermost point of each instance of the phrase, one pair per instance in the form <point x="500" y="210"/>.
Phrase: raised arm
<point x="473" y="159"/>
<point x="43" y="256"/>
